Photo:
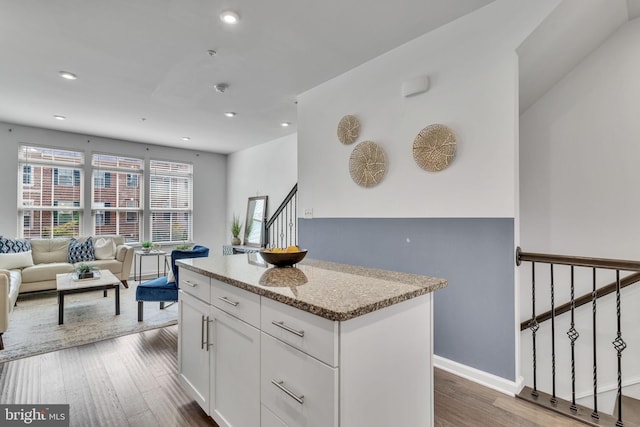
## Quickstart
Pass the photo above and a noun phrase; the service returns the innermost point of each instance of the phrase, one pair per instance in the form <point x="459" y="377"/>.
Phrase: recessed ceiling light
<point x="229" y="17"/>
<point x="57" y="117"/>
<point x="230" y="114"/>
<point x="285" y="124"/>
<point x="67" y="75"/>
<point x="186" y="138"/>
<point x="220" y="87"/>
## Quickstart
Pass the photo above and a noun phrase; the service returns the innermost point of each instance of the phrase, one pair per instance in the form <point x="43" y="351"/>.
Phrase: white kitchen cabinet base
<point x="386" y="362"/>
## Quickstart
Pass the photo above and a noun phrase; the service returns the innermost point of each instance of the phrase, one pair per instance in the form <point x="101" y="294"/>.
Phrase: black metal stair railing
<point x="619" y="345"/>
<point x="282" y="228"/>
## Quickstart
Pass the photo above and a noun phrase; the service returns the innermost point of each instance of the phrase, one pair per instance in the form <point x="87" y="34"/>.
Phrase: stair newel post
<point x="619" y="345"/>
<point x="553" y="398"/>
<point x="534" y="327"/>
<point x="594" y="297"/>
<point x="573" y="336"/>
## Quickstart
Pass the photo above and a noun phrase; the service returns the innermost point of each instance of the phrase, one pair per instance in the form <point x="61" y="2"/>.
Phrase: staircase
<point x="281" y="230"/>
<point x="574" y="354"/>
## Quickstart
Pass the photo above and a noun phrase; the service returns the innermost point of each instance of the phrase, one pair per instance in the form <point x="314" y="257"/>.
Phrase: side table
<point x="137" y="262"/>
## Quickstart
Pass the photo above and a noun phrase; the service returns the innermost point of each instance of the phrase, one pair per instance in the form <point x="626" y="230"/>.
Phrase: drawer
<point x="242" y="304"/>
<point x="269" y="419"/>
<point x="297" y="388"/>
<point x="312" y="334"/>
<point x="195" y="284"/>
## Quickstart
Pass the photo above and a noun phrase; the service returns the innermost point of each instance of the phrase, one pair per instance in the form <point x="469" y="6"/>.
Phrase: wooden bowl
<point x="283" y="259"/>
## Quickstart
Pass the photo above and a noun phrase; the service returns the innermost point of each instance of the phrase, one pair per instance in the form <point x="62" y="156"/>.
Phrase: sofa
<point x="33" y="264"/>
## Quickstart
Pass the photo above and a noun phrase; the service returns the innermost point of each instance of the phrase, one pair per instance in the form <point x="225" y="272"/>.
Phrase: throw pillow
<point x="13" y="245"/>
<point x="13" y="260"/>
<point x="104" y="248"/>
<point x="79" y="252"/>
<point x="170" y="278"/>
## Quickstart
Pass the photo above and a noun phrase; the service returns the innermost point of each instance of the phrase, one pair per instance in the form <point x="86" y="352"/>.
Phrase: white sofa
<point x="49" y="259"/>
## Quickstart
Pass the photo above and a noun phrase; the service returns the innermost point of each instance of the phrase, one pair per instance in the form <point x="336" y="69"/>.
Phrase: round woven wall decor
<point x="348" y="129"/>
<point x="434" y="148"/>
<point x="367" y="164"/>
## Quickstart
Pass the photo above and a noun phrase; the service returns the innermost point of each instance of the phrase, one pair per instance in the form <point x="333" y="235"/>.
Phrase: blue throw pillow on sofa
<point x="11" y="246"/>
<point x="79" y="252"/>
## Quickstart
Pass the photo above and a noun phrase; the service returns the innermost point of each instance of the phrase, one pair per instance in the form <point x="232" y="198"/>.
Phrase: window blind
<point x="171" y="201"/>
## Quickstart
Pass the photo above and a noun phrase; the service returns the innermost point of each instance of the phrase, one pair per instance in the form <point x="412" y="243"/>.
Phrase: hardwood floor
<point x="131" y="381"/>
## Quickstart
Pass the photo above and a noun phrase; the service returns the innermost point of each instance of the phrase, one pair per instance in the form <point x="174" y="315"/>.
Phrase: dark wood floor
<point x="131" y="381"/>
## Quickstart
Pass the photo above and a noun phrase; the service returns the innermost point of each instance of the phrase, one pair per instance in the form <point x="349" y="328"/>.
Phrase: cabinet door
<point x="193" y="350"/>
<point x="235" y="380"/>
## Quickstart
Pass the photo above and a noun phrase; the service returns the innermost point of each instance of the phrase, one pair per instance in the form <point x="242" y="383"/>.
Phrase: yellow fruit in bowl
<point x="292" y="249"/>
<point x="277" y="250"/>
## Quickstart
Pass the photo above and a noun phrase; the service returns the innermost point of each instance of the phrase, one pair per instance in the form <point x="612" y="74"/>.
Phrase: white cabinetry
<point x="193" y="355"/>
<point x="218" y="353"/>
<point x="251" y="361"/>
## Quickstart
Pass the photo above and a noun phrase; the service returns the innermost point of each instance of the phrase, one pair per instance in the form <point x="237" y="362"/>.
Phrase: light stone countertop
<point x="330" y="290"/>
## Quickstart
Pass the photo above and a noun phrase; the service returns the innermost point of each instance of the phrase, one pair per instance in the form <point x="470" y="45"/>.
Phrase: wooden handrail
<point x="284" y="203"/>
<point x="611" y="264"/>
<point x="584" y="299"/>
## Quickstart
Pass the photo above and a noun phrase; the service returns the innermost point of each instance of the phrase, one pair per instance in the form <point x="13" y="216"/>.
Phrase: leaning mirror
<point x="255" y="222"/>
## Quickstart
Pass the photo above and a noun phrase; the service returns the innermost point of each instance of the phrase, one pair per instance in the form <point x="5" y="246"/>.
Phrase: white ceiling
<point x="144" y="73"/>
<point x="571" y="32"/>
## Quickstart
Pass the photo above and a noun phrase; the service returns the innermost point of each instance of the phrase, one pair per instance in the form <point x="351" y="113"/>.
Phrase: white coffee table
<point x="68" y="284"/>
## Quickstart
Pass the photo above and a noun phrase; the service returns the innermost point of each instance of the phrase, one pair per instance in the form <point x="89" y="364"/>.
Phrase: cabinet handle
<point x="208" y="321"/>
<point x="288" y="328"/>
<point x="280" y="385"/>
<point x="202" y="333"/>
<point x="188" y="283"/>
<point x="228" y="301"/>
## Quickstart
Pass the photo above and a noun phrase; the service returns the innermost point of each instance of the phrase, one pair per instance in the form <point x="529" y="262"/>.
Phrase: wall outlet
<point x="308" y="213"/>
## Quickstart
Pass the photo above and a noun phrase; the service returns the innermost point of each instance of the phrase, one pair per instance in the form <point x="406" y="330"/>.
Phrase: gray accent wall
<point x="474" y="316"/>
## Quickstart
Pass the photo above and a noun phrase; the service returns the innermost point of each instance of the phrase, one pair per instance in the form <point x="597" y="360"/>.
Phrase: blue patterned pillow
<point x="11" y="246"/>
<point x="79" y="252"/>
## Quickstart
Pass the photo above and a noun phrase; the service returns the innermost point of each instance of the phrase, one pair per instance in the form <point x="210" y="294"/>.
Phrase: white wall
<point x="209" y="181"/>
<point x="579" y="157"/>
<point x="269" y="169"/>
<point x="473" y="71"/>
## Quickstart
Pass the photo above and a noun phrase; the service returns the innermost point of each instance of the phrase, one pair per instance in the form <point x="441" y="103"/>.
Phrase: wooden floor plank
<point x="132" y="381"/>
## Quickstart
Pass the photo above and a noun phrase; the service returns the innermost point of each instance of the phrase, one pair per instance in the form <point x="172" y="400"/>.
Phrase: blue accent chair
<point x="161" y="290"/>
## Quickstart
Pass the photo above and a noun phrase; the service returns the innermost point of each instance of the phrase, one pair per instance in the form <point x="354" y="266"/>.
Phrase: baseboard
<point x="486" y="379"/>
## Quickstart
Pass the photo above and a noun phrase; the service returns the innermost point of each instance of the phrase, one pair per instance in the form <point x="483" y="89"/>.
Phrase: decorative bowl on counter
<point x="284" y="258"/>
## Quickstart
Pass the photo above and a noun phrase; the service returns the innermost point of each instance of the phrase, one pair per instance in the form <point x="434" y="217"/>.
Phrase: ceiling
<point x="570" y="33"/>
<point x="145" y="73"/>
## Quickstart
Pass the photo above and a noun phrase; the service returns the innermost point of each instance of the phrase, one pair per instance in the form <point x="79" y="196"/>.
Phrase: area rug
<point x="88" y="317"/>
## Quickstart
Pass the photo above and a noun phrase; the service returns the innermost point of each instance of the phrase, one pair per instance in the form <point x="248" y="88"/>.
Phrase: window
<point x="116" y="201"/>
<point x="132" y="180"/>
<point x="49" y="192"/>
<point x="171" y="196"/>
<point x="26" y="175"/>
<point x="101" y="179"/>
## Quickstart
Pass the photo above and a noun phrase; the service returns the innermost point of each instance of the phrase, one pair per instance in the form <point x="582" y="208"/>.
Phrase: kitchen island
<point x="319" y="344"/>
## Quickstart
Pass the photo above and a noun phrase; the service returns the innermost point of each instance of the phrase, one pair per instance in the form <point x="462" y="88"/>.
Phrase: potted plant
<point x="85" y="270"/>
<point x="146" y="245"/>
<point x="236" y="226"/>
<point x="183" y="247"/>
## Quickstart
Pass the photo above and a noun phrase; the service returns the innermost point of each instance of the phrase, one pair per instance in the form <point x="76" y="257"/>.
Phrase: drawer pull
<point x="288" y="328"/>
<point x="188" y="283"/>
<point x="280" y="385"/>
<point x="228" y="301"/>
<point x="202" y="333"/>
<point x="208" y="321"/>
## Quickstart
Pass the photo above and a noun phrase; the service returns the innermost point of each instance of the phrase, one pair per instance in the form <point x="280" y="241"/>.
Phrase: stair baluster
<point x="553" y="399"/>
<point x="619" y="345"/>
<point x="594" y="297"/>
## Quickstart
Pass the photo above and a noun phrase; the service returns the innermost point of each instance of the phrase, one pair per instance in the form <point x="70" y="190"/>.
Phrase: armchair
<point x="165" y="289"/>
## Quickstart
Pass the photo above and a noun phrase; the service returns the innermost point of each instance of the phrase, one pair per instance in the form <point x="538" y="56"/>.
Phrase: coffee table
<point x="68" y="284"/>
